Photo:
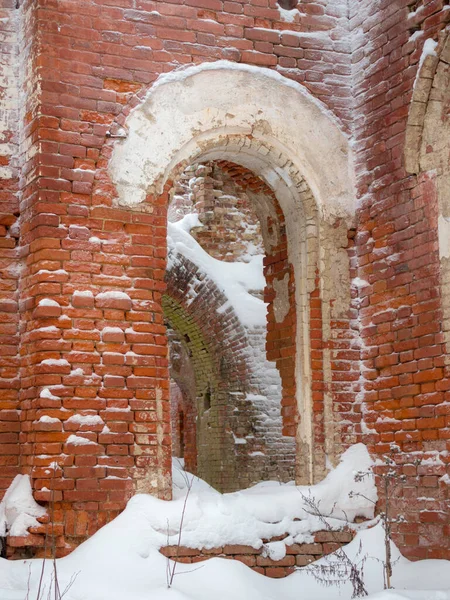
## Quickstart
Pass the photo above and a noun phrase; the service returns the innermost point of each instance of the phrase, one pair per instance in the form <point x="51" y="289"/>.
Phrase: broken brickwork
<point x="297" y="555"/>
<point x="235" y="393"/>
<point x="358" y="315"/>
<point x="238" y="425"/>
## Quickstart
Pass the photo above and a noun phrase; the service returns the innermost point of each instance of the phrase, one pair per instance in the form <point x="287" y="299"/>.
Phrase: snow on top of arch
<point x="429" y="49"/>
<point x="184" y="72"/>
<point x="234" y="279"/>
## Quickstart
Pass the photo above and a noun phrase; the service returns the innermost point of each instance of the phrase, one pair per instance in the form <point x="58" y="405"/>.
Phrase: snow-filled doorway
<point x="292" y="151"/>
<point x="226" y="393"/>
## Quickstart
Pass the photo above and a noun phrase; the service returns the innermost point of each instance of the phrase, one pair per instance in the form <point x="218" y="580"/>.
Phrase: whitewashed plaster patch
<point x="187" y="109"/>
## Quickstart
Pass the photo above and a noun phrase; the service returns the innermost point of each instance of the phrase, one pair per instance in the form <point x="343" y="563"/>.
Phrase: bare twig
<point x="168" y="559"/>
<point x="52" y="520"/>
<point x="190" y="570"/>
<point x="343" y="568"/>
<point x="70" y="584"/>
<point x="54" y="591"/>
<point x="189" y="483"/>
<point x="28" y="583"/>
<point x="390" y="481"/>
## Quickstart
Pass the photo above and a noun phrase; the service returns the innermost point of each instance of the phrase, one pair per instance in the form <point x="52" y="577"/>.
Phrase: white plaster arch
<point x="185" y="108"/>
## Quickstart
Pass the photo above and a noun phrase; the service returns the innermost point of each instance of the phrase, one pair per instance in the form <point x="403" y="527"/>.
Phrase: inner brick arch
<point x="279" y="292"/>
<point x="275" y="187"/>
<point x="228" y="433"/>
<point x="427" y="151"/>
<point x="211" y="401"/>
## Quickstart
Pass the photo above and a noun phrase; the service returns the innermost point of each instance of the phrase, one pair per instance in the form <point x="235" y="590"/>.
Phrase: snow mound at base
<point x="264" y="511"/>
<point x="122" y="561"/>
<point x="18" y="509"/>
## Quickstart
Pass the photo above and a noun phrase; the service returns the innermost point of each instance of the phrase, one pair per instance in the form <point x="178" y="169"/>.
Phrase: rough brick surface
<point x="297" y="555"/>
<point x="82" y="320"/>
<point x="10" y="254"/>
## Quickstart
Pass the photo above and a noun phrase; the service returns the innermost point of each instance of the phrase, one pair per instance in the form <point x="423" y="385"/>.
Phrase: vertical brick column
<point x="397" y="247"/>
<point x="95" y="397"/>
<point x="9" y="247"/>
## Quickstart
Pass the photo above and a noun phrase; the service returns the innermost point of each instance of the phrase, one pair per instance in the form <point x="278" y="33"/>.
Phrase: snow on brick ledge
<point x="47" y="308"/>
<point x="113" y="299"/>
<point x="273" y="559"/>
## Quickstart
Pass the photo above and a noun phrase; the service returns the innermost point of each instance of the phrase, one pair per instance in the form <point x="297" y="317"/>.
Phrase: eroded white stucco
<point x="444" y="236"/>
<point x="187" y="111"/>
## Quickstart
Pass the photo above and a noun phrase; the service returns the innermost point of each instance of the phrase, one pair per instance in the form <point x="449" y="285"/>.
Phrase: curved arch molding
<point x="185" y="111"/>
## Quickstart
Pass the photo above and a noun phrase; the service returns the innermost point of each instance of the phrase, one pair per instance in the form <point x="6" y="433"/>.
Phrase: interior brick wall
<point x="183" y="404"/>
<point x="239" y="437"/>
<point x="280" y="340"/>
<point x="231" y="431"/>
<point x="230" y="228"/>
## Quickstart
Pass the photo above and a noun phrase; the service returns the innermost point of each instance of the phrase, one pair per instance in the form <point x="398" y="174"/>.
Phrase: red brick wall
<point x="93" y="57"/>
<point x="406" y="382"/>
<point x="229" y="222"/>
<point x="9" y="245"/>
<point x="297" y="555"/>
<point x="118" y="374"/>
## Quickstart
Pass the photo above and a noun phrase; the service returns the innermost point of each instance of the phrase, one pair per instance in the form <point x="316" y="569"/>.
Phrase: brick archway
<point x="232" y="432"/>
<point x="230" y="121"/>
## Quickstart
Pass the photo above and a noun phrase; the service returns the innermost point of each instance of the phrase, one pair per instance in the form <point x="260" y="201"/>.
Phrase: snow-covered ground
<point x="122" y="561"/>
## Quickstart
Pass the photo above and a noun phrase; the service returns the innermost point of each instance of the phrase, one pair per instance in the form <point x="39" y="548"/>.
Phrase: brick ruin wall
<point x="9" y="249"/>
<point x="182" y="404"/>
<point x="238" y="430"/>
<point x="297" y="555"/>
<point x="95" y="61"/>
<point x="397" y="252"/>
<point x="240" y="440"/>
<point x="230" y="229"/>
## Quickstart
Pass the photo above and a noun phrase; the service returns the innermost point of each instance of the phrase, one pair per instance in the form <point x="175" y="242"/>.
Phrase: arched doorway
<point x="215" y="303"/>
<point x="254" y="120"/>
